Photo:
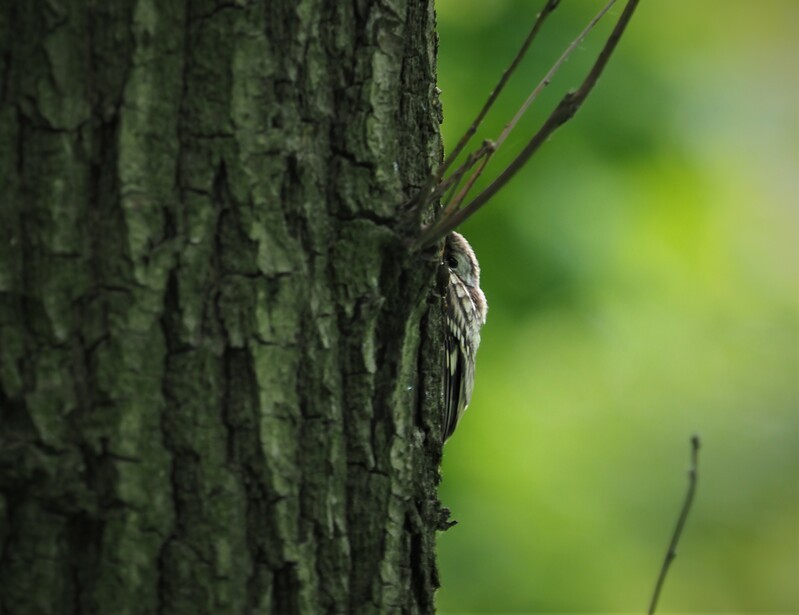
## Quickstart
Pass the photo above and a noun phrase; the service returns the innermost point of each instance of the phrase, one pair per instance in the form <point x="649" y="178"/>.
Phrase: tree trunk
<point x="219" y="378"/>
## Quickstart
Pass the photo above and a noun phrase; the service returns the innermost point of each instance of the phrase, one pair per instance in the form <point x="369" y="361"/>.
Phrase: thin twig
<point x="551" y="73"/>
<point x="465" y="191"/>
<point x="456" y="176"/>
<point x="550" y="6"/>
<point x="565" y="110"/>
<point x="453" y="200"/>
<point x="432" y="189"/>
<point x="453" y="204"/>
<point x="671" y="553"/>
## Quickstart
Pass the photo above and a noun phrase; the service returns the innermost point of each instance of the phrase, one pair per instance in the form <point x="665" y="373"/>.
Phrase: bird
<point x="465" y="309"/>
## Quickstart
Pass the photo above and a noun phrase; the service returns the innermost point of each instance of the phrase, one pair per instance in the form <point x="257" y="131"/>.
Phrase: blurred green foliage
<point x="642" y="278"/>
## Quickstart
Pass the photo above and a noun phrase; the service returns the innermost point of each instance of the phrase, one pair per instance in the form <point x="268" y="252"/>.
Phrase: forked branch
<point x="453" y="214"/>
<point x="550" y="6"/>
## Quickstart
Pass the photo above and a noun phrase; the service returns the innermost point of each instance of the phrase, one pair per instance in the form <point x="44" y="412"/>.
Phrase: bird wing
<point x="454" y="380"/>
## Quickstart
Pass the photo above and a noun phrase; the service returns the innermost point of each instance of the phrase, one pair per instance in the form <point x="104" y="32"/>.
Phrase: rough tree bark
<point x="219" y="376"/>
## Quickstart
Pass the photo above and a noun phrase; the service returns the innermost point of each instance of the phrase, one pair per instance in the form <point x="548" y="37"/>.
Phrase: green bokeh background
<point x="642" y="278"/>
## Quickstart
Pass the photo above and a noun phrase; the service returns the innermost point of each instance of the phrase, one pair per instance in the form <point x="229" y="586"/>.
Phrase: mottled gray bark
<point x="215" y="396"/>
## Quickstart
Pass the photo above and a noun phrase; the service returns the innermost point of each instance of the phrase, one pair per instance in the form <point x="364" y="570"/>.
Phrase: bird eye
<point x="452" y="262"/>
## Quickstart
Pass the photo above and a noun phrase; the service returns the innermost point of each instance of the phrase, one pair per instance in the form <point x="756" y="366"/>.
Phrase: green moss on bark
<point x="219" y="374"/>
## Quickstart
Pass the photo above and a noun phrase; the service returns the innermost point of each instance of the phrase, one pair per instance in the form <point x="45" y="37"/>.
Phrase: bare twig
<point x="483" y="157"/>
<point x="453" y="205"/>
<point x="550" y="6"/>
<point x="565" y="110"/>
<point x="433" y="189"/>
<point x="456" y="176"/>
<point x="551" y="73"/>
<point x="671" y="553"/>
<point x="480" y="158"/>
